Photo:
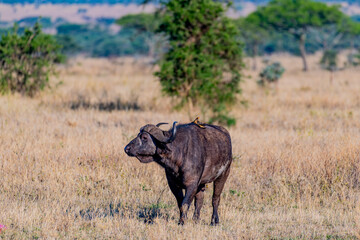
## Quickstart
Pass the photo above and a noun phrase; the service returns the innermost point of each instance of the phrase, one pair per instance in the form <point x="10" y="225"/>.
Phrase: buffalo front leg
<point x="199" y="199"/>
<point x="218" y="187"/>
<point x="177" y="191"/>
<point x="189" y="196"/>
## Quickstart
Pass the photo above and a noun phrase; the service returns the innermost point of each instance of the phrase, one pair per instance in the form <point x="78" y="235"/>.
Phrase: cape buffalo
<point x="192" y="155"/>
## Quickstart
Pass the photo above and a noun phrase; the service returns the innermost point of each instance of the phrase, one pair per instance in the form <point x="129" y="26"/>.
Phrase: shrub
<point x="329" y="62"/>
<point x="271" y="74"/>
<point x="27" y="60"/>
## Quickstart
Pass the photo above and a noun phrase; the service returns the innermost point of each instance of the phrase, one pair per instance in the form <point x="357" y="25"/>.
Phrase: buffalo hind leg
<point x="218" y="187"/>
<point x="199" y="199"/>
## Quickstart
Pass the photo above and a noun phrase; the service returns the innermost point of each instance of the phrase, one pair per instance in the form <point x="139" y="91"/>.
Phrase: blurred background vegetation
<point x="99" y="41"/>
<point x="133" y="36"/>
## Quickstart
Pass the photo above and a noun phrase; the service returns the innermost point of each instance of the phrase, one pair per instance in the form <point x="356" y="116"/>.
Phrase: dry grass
<point x="64" y="175"/>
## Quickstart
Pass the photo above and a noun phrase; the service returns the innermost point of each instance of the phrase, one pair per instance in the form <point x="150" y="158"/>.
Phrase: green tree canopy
<point x="297" y="16"/>
<point x="349" y="26"/>
<point x="203" y="63"/>
<point x="252" y="33"/>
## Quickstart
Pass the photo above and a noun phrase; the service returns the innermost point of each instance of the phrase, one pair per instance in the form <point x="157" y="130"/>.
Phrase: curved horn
<point x="173" y="133"/>
<point x="162" y="123"/>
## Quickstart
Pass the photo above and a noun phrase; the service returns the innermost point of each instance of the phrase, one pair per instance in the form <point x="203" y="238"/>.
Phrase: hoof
<point x="196" y="219"/>
<point x="214" y="223"/>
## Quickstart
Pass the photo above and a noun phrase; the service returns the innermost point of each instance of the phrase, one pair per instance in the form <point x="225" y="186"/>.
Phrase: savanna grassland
<point x="64" y="174"/>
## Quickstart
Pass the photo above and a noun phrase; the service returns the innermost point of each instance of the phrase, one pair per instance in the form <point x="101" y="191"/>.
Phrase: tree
<point x="252" y="33"/>
<point x="147" y="24"/>
<point x="202" y="65"/>
<point x="27" y="61"/>
<point x="351" y="29"/>
<point x="296" y="17"/>
<point x="330" y="36"/>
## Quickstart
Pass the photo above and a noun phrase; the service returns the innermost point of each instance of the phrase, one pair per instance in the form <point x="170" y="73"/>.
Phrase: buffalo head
<point x="144" y="146"/>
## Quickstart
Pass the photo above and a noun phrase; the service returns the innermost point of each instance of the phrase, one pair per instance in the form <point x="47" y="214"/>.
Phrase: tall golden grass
<point x="295" y="175"/>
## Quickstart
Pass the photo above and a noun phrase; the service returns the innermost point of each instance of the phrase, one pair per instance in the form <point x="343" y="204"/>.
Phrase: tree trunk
<point x="302" y="51"/>
<point x="255" y="53"/>
<point x="325" y="46"/>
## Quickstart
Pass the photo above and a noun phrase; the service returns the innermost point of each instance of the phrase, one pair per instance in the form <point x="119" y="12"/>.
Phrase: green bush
<point x="27" y="60"/>
<point x="271" y="74"/>
<point x="352" y="60"/>
<point x="329" y="60"/>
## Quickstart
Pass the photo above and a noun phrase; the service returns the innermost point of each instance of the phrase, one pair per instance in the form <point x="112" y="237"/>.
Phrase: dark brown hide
<point x="192" y="157"/>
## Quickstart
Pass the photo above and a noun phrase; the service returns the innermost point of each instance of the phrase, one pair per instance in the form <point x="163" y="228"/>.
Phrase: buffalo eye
<point x="144" y="138"/>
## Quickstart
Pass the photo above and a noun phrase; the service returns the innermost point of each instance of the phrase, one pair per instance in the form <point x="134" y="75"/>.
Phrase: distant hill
<point x="104" y="11"/>
<point x="71" y="1"/>
<point x="133" y="1"/>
